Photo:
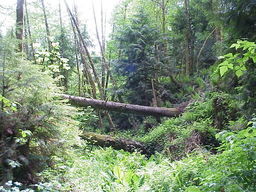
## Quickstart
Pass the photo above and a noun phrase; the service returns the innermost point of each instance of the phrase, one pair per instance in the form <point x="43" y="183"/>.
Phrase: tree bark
<point x="19" y="22"/>
<point x="123" y="107"/>
<point x="116" y="143"/>
<point x="189" y="50"/>
<point x="46" y="27"/>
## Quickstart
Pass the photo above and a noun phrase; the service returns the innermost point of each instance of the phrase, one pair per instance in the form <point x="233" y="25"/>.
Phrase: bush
<point x="35" y="124"/>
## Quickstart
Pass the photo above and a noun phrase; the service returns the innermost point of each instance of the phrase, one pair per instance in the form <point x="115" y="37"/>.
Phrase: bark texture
<point x="116" y="143"/>
<point x="123" y="107"/>
<point x="19" y="22"/>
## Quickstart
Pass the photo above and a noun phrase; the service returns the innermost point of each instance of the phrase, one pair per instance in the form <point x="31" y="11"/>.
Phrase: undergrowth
<point x="232" y="169"/>
<point x="196" y="128"/>
<point x="198" y="158"/>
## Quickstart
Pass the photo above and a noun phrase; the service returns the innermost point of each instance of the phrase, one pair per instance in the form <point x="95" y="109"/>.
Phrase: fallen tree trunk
<point x="122" y="107"/>
<point x="116" y="143"/>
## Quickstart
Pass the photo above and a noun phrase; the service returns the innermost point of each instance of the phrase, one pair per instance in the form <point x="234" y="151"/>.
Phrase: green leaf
<point x="239" y="73"/>
<point x="254" y="59"/>
<point x="223" y="70"/>
<point x="193" y="189"/>
<point x="229" y="55"/>
<point x="230" y="66"/>
<point x="235" y="45"/>
<point x="118" y="173"/>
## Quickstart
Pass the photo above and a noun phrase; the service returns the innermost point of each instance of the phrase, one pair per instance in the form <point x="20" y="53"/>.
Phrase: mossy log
<point x="123" y="107"/>
<point x="116" y="143"/>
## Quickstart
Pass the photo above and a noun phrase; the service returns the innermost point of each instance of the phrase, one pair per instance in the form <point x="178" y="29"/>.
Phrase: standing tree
<point x="29" y="33"/>
<point x="189" y="50"/>
<point x="8" y="133"/>
<point x="135" y="61"/>
<point x="19" y="23"/>
<point x="46" y="27"/>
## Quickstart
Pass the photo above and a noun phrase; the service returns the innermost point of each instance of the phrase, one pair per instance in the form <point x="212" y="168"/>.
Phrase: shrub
<point x="35" y="124"/>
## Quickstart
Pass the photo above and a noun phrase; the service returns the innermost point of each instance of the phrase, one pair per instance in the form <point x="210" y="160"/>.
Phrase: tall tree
<point x="20" y="22"/>
<point x="189" y="50"/>
<point x="137" y="59"/>
<point x="29" y="32"/>
<point x="46" y="26"/>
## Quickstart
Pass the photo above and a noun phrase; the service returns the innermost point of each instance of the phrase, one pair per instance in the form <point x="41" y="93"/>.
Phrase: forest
<point x="148" y="96"/>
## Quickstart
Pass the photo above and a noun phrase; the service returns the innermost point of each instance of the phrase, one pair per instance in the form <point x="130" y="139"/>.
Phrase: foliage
<point x="242" y="65"/>
<point x="87" y="119"/>
<point x="210" y="147"/>
<point x="135" y="58"/>
<point x="237" y="63"/>
<point x="54" y="62"/>
<point x="178" y="136"/>
<point x="39" y="125"/>
<point x="232" y="169"/>
<point x="19" y="187"/>
<point x="7" y="105"/>
<point x="238" y="17"/>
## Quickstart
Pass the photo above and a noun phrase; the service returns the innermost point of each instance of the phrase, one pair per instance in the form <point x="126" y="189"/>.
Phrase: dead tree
<point x="116" y="143"/>
<point x="126" y="108"/>
<point x="87" y="53"/>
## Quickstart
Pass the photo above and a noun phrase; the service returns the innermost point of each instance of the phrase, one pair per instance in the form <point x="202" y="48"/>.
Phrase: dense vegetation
<point x="194" y="56"/>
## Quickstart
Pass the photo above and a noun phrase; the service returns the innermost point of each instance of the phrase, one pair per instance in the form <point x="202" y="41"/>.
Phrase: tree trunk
<point x="164" y="7"/>
<point x="77" y="64"/>
<point x="25" y="43"/>
<point x="154" y="99"/>
<point x="80" y="37"/>
<point x="83" y="43"/>
<point x="123" y="107"/>
<point x="116" y="143"/>
<point x="189" y="40"/>
<point x="19" y="22"/>
<point x="47" y="27"/>
<point x="102" y="50"/>
<point x="29" y="33"/>
<point x="76" y="54"/>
